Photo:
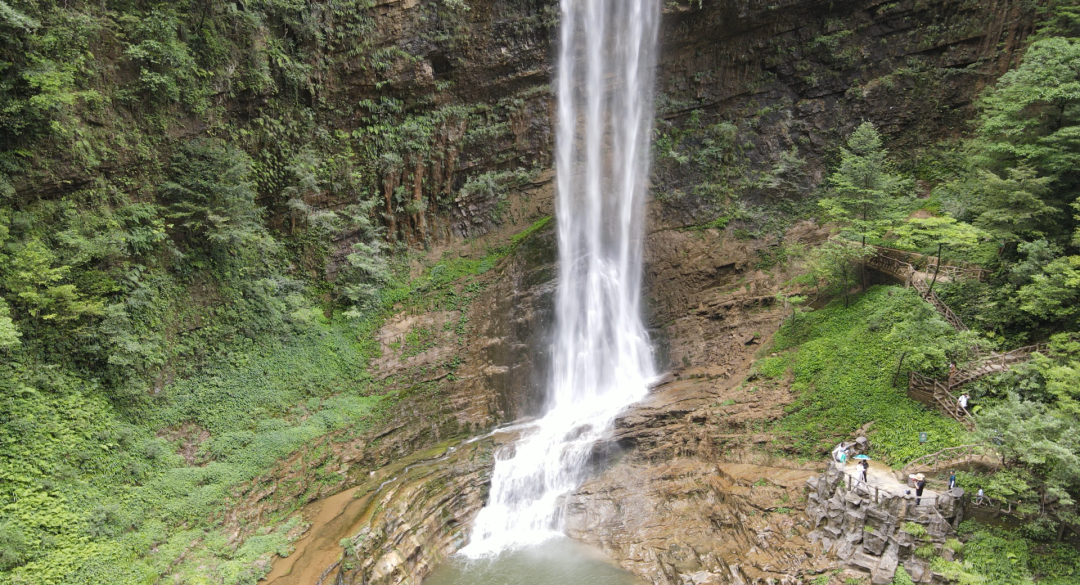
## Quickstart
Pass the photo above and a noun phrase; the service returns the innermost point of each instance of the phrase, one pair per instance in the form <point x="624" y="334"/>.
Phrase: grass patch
<point x="843" y="368"/>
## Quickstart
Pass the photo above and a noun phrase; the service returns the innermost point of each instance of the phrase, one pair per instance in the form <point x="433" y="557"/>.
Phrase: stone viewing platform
<point x="876" y="526"/>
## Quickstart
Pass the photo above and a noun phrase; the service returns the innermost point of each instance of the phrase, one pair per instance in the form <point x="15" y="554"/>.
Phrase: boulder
<point x="883" y="574"/>
<point x="919" y="569"/>
<point x="863" y="561"/>
<point x="874" y="543"/>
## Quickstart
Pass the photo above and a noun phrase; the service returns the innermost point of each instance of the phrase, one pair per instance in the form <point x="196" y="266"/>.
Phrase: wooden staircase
<point x="901" y="265"/>
<point x="949" y="459"/>
<point x="931" y="297"/>
<point x="995" y="363"/>
<point x="885" y="260"/>
<point x="936" y="393"/>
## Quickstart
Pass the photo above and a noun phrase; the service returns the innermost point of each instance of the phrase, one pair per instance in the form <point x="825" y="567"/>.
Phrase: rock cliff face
<point x="680" y="495"/>
<point x="782" y="83"/>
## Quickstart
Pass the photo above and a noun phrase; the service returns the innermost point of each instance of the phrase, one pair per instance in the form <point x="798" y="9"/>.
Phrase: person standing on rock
<point x="952" y="479"/>
<point x="920" y="484"/>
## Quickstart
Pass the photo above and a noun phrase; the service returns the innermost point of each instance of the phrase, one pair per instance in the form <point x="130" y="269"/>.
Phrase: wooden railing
<point x="898" y="263"/>
<point x="950" y="272"/>
<point x="931" y="297"/>
<point x="877" y="494"/>
<point x="851" y="482"/>
<point x="952" y="454"/>
<point x="927" y="389"/>
<point x="888" y="265"/>
<point x="930" y="263"/>
<point x="934" y="391"/>
<point x="994" y="363"/>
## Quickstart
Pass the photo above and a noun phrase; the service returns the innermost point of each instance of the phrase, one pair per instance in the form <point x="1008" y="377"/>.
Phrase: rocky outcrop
<point x="671" y="504"/>
<point x="403" y="519"/>
<point x="874" y="531"/>
<point x="687" y="521"/>
<point x="418" y="519"/>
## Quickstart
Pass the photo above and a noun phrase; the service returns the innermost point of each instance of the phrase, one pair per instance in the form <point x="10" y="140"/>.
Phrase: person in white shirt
<point x="962" y="402"/>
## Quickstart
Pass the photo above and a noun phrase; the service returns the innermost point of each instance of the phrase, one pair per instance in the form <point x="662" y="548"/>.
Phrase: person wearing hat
<point x="920" y="484"/>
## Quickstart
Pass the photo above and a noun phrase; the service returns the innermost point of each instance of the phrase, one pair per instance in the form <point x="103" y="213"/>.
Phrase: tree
<point x="211" y="198"/>
<point x="9" y="334"/>
<point x="791" y="302"/>
<point x="1031" y="114"/>
<point x="366" y="270"/>
<point x="1055" y="294"/>
<point x="1029" y="133"/>
<point x="37" y="285"/>
<point x="927" y="342"/>
<point x="863" y="192"/>
<point x="833" y="267"/>
<point x="937" y="231"/>
<point x="1040" y="437"/>
<point x="1014" y="207"/>
<point x="923" y="233"/>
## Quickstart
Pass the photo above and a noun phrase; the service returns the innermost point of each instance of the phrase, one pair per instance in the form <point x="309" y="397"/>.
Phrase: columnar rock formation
<point x="873" y="531"/>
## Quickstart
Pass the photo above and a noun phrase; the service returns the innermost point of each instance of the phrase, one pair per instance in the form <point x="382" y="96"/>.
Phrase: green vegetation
<point x="863" y="195"/>
<point x="206" y="211"/>
<point x="914" y="529"/>
<point x="198" y="238"/>
<point x="995" y="557"/>
<point x="836" y="356"/>
<point x="1004" y="199"/>
<point x="901" y="577"/>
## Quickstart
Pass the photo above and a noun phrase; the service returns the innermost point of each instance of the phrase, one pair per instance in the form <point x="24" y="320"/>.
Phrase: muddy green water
<point x="555" y="562"/>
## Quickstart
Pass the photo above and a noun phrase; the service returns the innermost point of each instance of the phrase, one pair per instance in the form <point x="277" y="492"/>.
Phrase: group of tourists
<point x="841" y="452"/>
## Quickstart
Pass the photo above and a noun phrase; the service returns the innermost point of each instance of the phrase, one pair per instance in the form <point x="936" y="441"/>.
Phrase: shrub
<point x="901" y="577"/>
<point x="13" y="546"/>
<point x="926" y="551"/>
<point x="915" y="529"/>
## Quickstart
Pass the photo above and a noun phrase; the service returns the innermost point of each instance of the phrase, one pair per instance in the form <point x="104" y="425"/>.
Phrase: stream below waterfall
<point x="557" y="561"/>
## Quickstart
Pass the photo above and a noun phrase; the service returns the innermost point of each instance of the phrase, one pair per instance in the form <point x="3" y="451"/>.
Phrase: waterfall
<point x="602" y="362"/>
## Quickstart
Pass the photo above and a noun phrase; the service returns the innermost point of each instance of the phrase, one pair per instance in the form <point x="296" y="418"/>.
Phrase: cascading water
<point x="602" y="360"/>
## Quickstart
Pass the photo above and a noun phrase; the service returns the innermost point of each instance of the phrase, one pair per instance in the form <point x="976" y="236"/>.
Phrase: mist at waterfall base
<point x="559" y="561"/>
<point x="601" y="359"/>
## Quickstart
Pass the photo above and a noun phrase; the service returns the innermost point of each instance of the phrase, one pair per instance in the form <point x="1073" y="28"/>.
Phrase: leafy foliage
<point x="211" y="199"/>
<point x="842" y="385"/>
<point x="865" y="196"/>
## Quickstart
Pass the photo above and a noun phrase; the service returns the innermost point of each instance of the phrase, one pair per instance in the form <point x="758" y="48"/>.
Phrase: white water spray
<point x="602" y="361"/>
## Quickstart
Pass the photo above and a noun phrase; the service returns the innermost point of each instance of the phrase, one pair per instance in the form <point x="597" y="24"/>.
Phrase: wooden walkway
<point x="912" y="277"/>
<point x="936" y="393"/>
<point x="902" y="265"/>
